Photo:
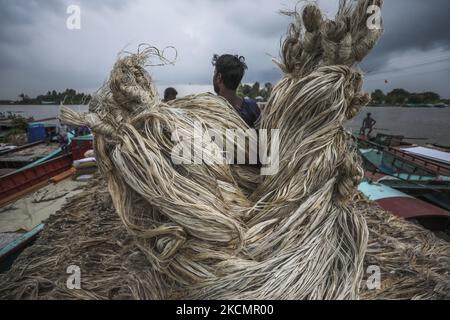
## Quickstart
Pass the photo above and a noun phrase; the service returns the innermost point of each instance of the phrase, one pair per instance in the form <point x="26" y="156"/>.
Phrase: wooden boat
<point x="406" y="206"/>
<point x="50" y="169"/>
<point x="405" y="162"/>
<point x="11" y="245"/>
<point x="398" y="169"/>
<point x="414" y="171"/>
<point x="25" y="155"/>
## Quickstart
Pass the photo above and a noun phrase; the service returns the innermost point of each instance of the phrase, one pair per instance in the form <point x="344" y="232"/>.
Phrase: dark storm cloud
<point x="16" y="14"/>
<point x="411" y="25"/>
<point x="259" y="23"/>
<point x="38" y="53"/>
<point x="416" y="24"/>
<point x="23" y="23"/>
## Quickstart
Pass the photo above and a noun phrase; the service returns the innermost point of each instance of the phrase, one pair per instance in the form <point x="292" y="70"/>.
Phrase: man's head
<point x="170" y="94"/>
<point x="369" y="115"/>
<point x="228" y="73"/>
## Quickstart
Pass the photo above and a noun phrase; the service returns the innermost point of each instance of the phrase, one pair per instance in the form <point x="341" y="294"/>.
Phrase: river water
<point x="430" y="123"/>
<point x="39" y="112"/>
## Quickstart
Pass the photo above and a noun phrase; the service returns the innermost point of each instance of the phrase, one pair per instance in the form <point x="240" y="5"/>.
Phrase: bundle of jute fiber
<point x="87" y="233"/>
<point x="206" y="233"/>
<point x="414" y="263"/>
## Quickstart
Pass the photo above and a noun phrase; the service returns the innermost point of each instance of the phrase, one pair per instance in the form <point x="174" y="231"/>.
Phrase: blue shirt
<point x="249" y="111"/>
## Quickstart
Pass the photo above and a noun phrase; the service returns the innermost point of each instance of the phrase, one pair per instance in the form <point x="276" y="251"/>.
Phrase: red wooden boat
<point x="29" y="179"/>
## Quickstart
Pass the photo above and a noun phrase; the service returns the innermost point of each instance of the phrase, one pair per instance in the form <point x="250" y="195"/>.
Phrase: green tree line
<point x="69" y="96"/>
<point x="394" y="97"/>
<point x="256" y="90"/>
<point x="401" y="96"/>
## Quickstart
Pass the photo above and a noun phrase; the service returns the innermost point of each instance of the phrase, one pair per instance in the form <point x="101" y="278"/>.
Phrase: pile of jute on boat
<point x="223" y="231"/>
<point x="88" y="233"/>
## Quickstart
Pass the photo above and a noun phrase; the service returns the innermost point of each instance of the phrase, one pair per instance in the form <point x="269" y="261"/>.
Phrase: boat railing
<point x="435" y="167"/>
<point x="429" y="166"/>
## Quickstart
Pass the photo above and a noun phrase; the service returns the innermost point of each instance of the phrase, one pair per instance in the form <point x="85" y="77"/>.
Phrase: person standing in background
<point x="170" y="94"/>
<point x="368" y="124"/>
<point x="228" y="73"/>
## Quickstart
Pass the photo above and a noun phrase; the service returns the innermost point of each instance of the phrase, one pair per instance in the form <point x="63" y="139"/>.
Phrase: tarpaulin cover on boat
<point x="429" y="154"/>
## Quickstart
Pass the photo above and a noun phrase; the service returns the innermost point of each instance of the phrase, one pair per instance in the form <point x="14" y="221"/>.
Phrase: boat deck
<point x="29" y="154"/>
<point x="22" y="220"/>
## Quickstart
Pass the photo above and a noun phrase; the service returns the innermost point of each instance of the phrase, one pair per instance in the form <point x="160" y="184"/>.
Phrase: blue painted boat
<point x="415" y="174"/>
<point x="10" y="250"/>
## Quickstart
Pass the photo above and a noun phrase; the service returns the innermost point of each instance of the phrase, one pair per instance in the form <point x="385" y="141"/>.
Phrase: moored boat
<point x="30" y="180"/>
<point x="408" y="207"/>
<point x="410" y="181"/>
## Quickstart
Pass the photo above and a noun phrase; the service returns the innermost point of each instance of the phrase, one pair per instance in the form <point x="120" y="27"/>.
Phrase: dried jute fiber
<point x="224" y="231"/>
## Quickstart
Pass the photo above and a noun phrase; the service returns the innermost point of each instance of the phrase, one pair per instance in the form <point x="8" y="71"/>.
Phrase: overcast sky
<point x="39" y="53"/>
